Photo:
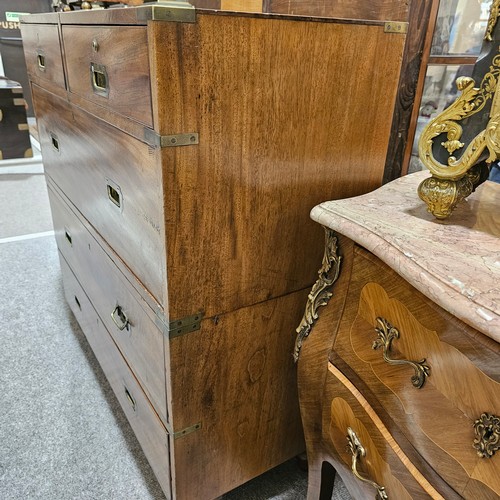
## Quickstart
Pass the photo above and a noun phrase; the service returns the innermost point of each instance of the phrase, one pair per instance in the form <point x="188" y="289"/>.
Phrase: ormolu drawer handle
<point x="40" y="59"/>
<point x="99" y="79"/>
<point x="386" y="334"/>
<point x="120" y="318"/>
<point x="487" y="429"/>
<point x="358" y="451"/>
<point x="130" y="399"/>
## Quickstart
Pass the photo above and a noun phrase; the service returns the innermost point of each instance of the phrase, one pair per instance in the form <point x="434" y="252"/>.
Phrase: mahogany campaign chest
<point x="183" y="150"/>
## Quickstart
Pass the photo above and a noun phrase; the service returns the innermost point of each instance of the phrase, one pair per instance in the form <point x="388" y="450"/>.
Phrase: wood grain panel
<point x="383" y="10"/>
<point x="445" y="441"/>
<point x="123" y="51"/>
<point x="43" y="40"/>
<point x="242" y="5"/>
<point x="237" y="378"/>
<point x="93" y="155"/>
<point x="141" y="342"/>
<point x="278" y="134"/>
<point x="150" y="432"/>
<point x="206" y="4"/>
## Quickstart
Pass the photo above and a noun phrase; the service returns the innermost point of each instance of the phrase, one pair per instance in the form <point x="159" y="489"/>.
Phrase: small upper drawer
<point x="43" y="56"/>
<point x="110" y="66"/>
<point x="429" y="371"/>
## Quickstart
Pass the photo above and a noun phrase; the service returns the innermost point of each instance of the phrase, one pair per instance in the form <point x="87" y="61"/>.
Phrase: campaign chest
<point x="183" y="150"/>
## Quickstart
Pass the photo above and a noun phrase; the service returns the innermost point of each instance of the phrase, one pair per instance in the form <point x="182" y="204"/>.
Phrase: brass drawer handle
<point x="68" y="237"/>
<point x="40" y="60"/>
<point x="130" y="399"/>
<point x="358" y="451"/>
<point x="54" y="141"/>
<point x="120" y="318"/>
<point x="487" y="430"/>
<point x="99" y="79"/>
<point x="386" y="334"/>
<point x="114" y="194"/>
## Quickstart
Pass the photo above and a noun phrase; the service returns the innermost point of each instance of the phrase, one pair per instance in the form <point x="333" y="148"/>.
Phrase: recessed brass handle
<point x="386" y="334"/>
<point x="99" y="79"/>
<point x="120" y="318"/>
<point x="487" y="430"/>
<point x="358" y="451"/>
<point x="40" y="59"/>
<point x="114" y="193"/>
<point x="130" y="399"/>
<point x="54" y="141"/>
<point x="69" y="239"/>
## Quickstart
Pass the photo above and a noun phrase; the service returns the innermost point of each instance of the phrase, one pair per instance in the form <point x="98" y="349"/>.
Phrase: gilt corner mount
<point x="459" y="145"/>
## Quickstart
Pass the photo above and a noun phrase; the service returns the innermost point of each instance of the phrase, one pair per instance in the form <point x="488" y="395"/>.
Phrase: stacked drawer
<point x="423" y="388"/>
<point x="105" y="190"/>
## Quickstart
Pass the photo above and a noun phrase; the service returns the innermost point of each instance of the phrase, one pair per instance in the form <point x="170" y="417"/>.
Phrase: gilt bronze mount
<point x="386" y="333"/>
<point x="460" y="144"/>
<point x="320" y="293"/>
<point x="487" y="430"/>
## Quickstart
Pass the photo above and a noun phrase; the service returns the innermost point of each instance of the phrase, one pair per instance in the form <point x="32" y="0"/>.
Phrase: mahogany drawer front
<point x="120" y="307"/>
<point x="42" y="51"/>
<point x="151" y="434"/>
<point x="348" y="420"/>
<point x="418" y="362"/>
<point x="113" y="179"/>
<point x="110" y="66"/>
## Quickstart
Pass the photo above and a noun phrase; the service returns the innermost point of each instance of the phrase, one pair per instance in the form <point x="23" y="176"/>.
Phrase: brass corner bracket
<point x="319" y="294"/>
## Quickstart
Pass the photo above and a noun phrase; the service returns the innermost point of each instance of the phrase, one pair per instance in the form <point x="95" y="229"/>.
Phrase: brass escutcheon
<point x="487" y="429"/>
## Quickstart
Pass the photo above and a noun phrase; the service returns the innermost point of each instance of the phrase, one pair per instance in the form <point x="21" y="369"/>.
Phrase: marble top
<point x="455" y="262"/>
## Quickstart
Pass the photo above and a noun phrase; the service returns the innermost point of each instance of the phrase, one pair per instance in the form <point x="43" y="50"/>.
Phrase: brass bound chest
<point x="183" y="150"/>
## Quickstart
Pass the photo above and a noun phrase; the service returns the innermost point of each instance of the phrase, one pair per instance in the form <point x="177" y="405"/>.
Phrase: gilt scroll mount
<point x="320" y="293"/>
<point x="460" y="144"/>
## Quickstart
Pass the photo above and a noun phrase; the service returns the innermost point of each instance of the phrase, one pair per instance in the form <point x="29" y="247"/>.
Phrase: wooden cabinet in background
<point x="183" y="155"/>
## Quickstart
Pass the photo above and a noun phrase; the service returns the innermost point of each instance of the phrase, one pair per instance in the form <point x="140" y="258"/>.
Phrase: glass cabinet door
<point x="457" y="41"/>
<point x="460" y="27"/>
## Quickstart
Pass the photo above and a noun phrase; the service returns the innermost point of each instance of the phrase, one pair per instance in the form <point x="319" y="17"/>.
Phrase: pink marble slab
<point x="455" y="262"/>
